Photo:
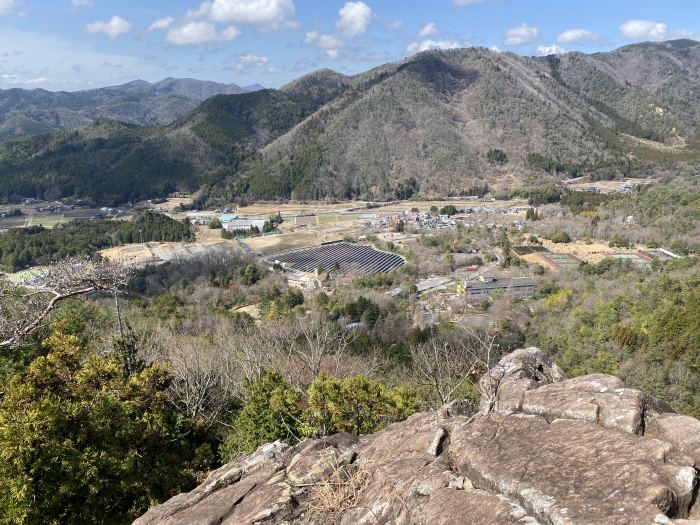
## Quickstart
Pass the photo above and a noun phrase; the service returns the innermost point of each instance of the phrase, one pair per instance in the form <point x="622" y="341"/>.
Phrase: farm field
<point x="172" y="203"/>
<point x="32" y="217"/>
<point x="592" y="252"/>
<point x="402" y="206"/>
<point x="269" y="244"/>
<point x="12" y="222"/>
<point x="322" y="209"/>
<point x="154" y="252"/>
<point x="609" y="186"/>
<point x="293" y="209"/>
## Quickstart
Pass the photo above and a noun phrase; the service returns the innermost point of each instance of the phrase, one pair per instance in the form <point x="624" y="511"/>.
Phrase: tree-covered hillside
<point x="421" y="126"/>
<point x="24" y="247"/>
<point x="31" y="112"/>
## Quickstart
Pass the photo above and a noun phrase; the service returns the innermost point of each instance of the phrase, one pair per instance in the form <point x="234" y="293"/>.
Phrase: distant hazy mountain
<point x="29" y="112"/>
<point x="254" y="87"/>
<point x="423" y="126"/>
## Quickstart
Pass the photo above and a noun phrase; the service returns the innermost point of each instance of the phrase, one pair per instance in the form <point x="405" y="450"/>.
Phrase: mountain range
<point x="436" y="123"/>
<point x="30" y="112"/>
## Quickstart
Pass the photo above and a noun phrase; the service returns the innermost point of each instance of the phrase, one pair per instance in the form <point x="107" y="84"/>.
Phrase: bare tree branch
<point x="445" y="366"/>
<point x="26" y="307"/>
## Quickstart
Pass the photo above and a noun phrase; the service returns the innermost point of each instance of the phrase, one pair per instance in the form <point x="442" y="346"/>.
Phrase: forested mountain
<point x="29" y="112"/>
<point x="440" y="122"/>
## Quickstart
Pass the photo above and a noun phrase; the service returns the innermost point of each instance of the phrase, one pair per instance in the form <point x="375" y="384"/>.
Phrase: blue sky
<point x="81" y="44"/>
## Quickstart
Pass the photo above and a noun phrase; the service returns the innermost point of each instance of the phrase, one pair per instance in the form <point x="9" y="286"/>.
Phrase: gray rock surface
<point x="572" y="471"/>
<point x="681" y="431"/>
<point x="598" y="398"/>
<point x="516" y="373"/>
<point x="550" y="450"/>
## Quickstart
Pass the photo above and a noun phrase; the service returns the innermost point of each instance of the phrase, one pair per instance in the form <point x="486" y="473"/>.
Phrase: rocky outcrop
<point x="517" y="373"/>
<point x="543" y="449"/>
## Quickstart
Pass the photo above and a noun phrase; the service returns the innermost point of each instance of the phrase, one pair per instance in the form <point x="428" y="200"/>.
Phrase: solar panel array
<point x="352" y="258"/>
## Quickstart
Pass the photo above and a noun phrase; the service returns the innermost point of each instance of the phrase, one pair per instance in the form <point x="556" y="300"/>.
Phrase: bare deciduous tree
<point x="319" y="346"/>
<point x="205" y="381"/>
<point x="25" y="307"/>
<point x="256" y="350"/>
<point x="445" y="366"/>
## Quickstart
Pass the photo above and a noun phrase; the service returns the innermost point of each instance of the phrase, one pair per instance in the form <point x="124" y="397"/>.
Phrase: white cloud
<point x="322" y="40"/>
<point x="272" y="70"/>
<point x="113" y="27"/>
<point x="326" y="42"/>
<point x="461" y="3"/>
<point x="639" y="30"/>
<point x="395" y="25"/>
<point x="251" y="59"/>
<point x="19" y="80"/>
<point x="266" y="15"/>
<point x="521" y="35"/>
<point x="230" y="33"/>
<point x="82" y="3"/>
<point x="578" y="36"/>
<point x="354" y="18"/>
<point x="554" y="49"/>
<point x="425" y="45"/>
<point x="428" y="29"/>
<point x="161" y="23"/>
<point x="50" y="62"/>
<point x="8" y="7"/>
<point x="203" y="11"/>
<point x="193" y="33"/>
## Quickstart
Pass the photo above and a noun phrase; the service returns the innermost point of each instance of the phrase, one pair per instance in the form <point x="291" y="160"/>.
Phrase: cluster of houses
<point x="426" y="220"/>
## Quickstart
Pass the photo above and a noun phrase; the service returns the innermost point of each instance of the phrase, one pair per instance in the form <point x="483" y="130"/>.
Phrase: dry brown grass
<point x="334" y="495"/>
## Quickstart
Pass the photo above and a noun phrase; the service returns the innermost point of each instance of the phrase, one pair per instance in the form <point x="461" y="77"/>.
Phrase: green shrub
<point x="559" y="237"/>
<point x="497" y="156"/>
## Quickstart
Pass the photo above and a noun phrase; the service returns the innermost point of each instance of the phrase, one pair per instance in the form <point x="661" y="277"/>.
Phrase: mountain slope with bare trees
<point x="437" y="123"/>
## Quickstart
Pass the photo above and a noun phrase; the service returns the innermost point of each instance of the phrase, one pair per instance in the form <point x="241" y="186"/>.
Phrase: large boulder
<point x="598" y="398"/>
<point x="399" y="476"/>
<point x="572" y="471"/>
<point x="543" y="449"/>
<point x="222" y="491"/>
<point x="681" y="431"/>
<point x="516" y="373"/>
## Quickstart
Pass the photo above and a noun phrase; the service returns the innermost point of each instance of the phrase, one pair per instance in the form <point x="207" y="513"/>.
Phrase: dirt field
<point x="152" y="252"/>
<point x="170" y="204"/>
<point x="287" y="209"/>
<point x="609" y="186"/>
<point x="459" y="203"/>
<point x="269" y="244"/>
<point x="204" y="234"/>
<point x="252" y="310"/>
<point x="591" y="253"/>
<point x="129" y="254"/>
<point x="321" y="208"/>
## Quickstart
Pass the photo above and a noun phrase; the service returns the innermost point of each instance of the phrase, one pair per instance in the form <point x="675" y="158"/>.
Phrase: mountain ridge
<point x="421" y="126"/>
<point x="36" y="111"/>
